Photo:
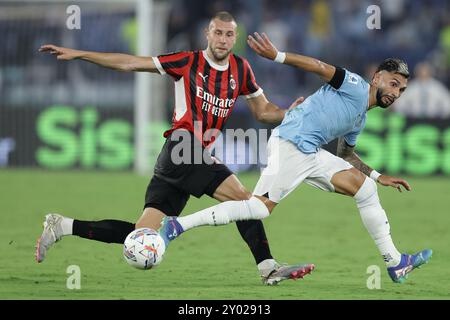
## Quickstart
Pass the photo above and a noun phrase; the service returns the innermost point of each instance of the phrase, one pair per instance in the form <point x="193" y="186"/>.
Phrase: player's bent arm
<point x="265" y="111"/>
<point x="347" y="153"/>
<point x="115" y="61"/>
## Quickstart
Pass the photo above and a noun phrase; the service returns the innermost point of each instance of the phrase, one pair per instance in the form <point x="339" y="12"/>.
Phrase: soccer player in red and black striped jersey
<point x="205" y="90"/>
<point x="207" y="84"/>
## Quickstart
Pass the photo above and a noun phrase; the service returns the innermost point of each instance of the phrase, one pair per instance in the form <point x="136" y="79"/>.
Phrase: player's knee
<point x="367" y="193"/>
<point x="359" y="178"/>
<point x="241" y="194"/>
<point x="150" y="218"/>
<point x="142" y="223"/>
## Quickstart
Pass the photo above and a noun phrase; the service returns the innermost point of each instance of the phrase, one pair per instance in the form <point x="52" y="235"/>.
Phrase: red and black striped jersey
<point x="205" y="92"/>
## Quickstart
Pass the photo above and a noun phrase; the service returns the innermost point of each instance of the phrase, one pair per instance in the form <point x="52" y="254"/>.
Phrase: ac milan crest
<point x="232" y="83"/>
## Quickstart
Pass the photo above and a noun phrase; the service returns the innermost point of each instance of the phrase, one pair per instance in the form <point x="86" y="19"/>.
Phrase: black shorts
<point x="183" y="169"/>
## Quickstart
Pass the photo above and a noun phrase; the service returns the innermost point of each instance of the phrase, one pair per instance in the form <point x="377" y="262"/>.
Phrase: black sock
<point x="252" y="231"/>
<point x="110" y="231"/>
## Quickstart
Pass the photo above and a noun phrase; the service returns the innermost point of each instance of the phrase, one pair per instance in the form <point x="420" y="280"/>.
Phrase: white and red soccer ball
<point x="144" y="248"/>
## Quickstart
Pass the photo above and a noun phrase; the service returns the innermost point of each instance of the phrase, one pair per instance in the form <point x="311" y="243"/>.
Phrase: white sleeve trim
<point x="158" y="65"/>
<point x="255" y="94"/>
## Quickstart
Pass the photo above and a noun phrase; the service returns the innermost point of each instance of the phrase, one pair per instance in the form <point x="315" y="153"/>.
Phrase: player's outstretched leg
<point x="408" y="263"/>
<point x="57" y="226"/>
<point x="220" y="214"/>
<point x="376" y="222"/>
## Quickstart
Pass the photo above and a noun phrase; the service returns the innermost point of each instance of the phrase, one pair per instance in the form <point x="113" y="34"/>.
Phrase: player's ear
<point x="376" y="77"/>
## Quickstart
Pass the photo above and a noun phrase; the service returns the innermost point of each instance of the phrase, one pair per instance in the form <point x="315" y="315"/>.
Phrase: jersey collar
<point x="213" y="64"/>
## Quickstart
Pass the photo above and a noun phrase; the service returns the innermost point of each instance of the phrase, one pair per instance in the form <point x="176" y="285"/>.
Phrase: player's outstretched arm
<point x="262" y="45"/>
<point x="115" y="61"/>
<point x="267" y="112"/>
<point x="347" y="153"/>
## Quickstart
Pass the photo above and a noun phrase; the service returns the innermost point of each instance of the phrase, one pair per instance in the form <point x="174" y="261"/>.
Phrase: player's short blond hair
<point x="224" y="16"/>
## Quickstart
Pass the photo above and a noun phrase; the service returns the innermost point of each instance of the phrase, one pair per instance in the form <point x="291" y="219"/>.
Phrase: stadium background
<point x="69" y="140"/>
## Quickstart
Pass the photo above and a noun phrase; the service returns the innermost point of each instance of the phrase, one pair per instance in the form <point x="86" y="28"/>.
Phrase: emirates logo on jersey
<point x="216" y="106"/>
<point x="232" y="83"/>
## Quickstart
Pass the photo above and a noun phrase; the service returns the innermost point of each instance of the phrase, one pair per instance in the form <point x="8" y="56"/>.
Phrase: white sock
<point x="265" y="267"/>
<point x="67" y="226"/>
<point x="376" y="221"/>
<point x="226" y="212"/>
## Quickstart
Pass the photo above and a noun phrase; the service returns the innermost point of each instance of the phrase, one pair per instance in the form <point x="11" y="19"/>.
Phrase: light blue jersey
<point x="328" y="114"/>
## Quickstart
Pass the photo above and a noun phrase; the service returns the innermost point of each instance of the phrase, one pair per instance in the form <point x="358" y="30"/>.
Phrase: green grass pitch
<point x="213" y="262"/>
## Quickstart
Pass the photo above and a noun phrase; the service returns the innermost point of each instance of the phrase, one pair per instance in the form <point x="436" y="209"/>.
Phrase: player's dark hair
<point x="394" y="65"/>
<point x="224" y="16"/>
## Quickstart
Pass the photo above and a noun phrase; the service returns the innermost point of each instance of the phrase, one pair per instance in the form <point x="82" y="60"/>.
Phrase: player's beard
<point x="220" y="57"/>
<point x="380" y="102"/>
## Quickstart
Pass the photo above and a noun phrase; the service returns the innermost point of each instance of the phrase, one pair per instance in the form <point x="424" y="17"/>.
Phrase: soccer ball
<point x="144" y="248"/>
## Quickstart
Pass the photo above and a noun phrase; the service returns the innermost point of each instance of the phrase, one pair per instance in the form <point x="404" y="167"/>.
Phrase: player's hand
<point x="296" y="102"/>
<point x="60" y="52"/>
<point x="262" y="45"/>
<point x="394" y="182"/>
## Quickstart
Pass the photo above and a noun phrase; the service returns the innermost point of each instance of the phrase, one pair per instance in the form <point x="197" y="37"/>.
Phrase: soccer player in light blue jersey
<point x="336" y="111"/>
